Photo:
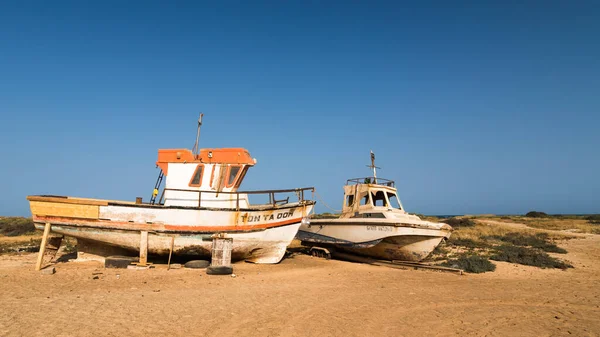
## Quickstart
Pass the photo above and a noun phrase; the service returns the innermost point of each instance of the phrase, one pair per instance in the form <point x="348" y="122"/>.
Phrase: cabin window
<point x="349" y="200"/>
<point x="364" y="201"/>
<point x="196" y="180"/>
<point x="241" y="178"/>
<point x="232" y="173"/>
<point x="379" y="199"/>
<point x="394" y="201"/>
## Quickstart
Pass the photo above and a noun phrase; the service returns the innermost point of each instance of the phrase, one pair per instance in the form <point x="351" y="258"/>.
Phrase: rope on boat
<point x="321" y="200"/>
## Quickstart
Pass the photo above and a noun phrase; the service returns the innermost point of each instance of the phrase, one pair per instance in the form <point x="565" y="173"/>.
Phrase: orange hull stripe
<point x="157" y="226"/>
<point x="229" y="228"/>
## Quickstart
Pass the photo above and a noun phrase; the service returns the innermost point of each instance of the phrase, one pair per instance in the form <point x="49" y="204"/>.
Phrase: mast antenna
<point x="196" y="149"/>
<point x="372" y="166"/>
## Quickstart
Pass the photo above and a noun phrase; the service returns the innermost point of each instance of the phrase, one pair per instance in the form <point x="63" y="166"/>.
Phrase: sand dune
<point x="302" y="296"/>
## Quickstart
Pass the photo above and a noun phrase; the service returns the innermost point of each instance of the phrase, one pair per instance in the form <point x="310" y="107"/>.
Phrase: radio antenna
<point x="196" y="150"/>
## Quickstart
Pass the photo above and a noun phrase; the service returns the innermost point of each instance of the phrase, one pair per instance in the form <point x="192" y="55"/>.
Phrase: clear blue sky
<point x="471" y="107"/>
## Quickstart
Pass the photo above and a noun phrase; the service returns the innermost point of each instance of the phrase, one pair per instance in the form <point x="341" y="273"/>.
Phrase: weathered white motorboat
<point x="200" y="199"/>
<point x="374" y="223"/>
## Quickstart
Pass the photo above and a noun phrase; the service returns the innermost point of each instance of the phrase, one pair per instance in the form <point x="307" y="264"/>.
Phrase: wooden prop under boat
<point x="200" y="199"/>
<point x="373" y="223"/>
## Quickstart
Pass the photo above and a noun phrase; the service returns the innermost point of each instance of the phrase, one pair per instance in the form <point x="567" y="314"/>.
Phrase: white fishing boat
<point x="200" y="198"/>
<point x="374" y="223"/>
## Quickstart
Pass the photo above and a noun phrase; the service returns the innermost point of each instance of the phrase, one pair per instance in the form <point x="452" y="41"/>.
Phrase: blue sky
<point x="471" y="107"/>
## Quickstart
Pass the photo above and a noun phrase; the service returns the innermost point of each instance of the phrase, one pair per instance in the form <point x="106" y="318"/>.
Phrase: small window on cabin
<point x="394" y="202"/>
<point x="233" y="172"/>
<point x="379" y="199"/>
<point x="374" y="215"/>
<point x="197" y="177"/>
<point x="349" y="200"/>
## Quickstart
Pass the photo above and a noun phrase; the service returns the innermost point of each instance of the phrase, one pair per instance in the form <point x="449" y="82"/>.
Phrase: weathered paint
<point x="191" y="214"/>
<point x="264" y="246"/>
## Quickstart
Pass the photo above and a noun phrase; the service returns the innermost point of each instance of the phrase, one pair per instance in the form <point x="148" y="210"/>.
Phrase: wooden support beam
<point x="144" y="248"/>
<point x="40" y="258"/>
<point x="170" y="252"/>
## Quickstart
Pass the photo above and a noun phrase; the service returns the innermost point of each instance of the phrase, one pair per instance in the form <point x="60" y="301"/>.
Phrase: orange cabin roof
<point x="217" y="156"/>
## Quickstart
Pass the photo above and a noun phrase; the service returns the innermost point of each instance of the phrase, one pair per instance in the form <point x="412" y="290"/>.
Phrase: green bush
<point x="534" y="214"/>
<point x="459" y="222"/>
<point x="15" y="226"/>
<point x="471" y="264"/>
<point x="540" y="241"/>
<point x="527" y="256"/>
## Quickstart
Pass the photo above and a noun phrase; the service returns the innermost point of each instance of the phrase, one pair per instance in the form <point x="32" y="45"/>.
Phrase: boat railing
<point x="272" y="194"/>
<point x="371" y="180"/>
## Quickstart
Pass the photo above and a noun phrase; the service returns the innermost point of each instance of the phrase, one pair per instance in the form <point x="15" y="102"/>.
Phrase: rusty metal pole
<point x="40" y="258"/>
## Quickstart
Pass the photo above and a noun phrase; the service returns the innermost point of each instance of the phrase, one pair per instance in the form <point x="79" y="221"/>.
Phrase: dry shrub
<point x="471" y="264"/>
<point x="527" y="256"/>
<point x="15" y="226"/>
<point x="534" y="214"/>
<point x="505" y="243"/>
<point x="539" y="241"/>
<point x="459" y="222"/>
<point x="325" y="216"/>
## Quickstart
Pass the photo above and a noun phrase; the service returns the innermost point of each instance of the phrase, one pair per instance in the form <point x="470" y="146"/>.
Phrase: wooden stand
<point x="143" y="248"/>
<point x="40" y="258"/>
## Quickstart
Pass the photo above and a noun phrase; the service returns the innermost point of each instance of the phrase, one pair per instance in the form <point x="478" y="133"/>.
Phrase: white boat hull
<point x="266" y="246"/>
<point x="376" y="238"/>
<point x="259" y="235"/>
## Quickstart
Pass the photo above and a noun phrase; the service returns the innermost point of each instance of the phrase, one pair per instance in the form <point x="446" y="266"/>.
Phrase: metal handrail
<point x="380" y="181"/>
<point x="299" y="193"/>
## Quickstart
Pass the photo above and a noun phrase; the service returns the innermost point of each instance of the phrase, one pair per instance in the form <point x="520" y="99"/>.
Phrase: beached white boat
<point x="200" y="199"/>
<point x="374" y="223"/>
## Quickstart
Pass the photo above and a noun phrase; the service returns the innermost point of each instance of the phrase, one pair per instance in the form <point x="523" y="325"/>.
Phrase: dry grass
<point x="576" y="224"/>
<point x="580" y="226"/>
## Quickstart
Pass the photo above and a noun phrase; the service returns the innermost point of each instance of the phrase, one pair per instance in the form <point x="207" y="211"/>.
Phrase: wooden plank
<point x="43" y="208"/>
<point x="170" y="252"/>
<point x="143" y="248"/>
<point x="395" y="264"/>
<point x="40" y="258"/>
<point x="69" y="200"/>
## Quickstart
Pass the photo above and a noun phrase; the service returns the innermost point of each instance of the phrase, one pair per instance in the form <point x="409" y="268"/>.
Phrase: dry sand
<point x="302" y="296"/>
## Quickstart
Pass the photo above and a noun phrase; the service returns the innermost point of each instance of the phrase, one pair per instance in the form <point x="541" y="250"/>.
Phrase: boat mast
<point x="372" y="166"/>
<point x="196" y="150"/>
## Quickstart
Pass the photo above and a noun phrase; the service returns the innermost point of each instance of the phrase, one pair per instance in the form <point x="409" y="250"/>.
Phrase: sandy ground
<point x="302" y="296"/>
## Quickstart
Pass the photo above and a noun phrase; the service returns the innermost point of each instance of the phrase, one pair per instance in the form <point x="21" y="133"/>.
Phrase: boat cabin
<point x="370" y="197"/>
<point x="207" y="179"/>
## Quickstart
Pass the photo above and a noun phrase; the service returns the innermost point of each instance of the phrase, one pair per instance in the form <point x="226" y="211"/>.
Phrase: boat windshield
<point x="394" y="202"/>
<point x="378" y="199"/>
